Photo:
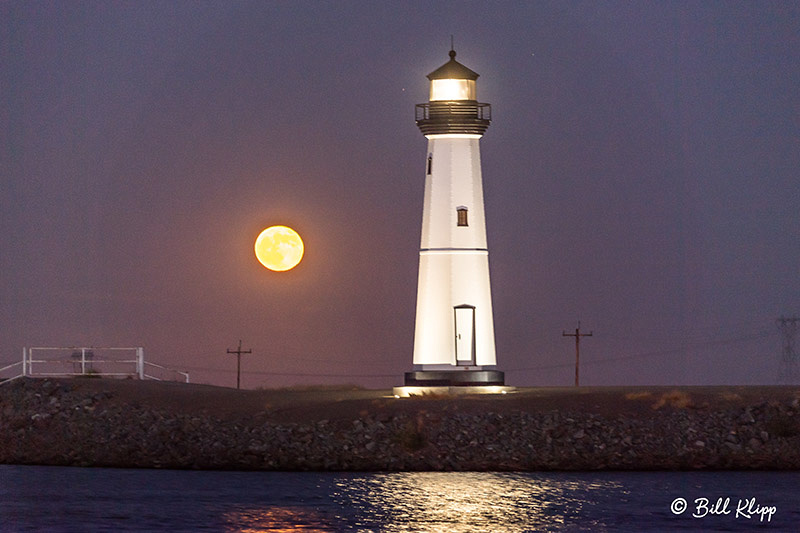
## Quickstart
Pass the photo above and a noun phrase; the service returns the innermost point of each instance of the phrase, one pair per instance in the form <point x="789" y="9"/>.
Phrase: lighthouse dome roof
<point x="453" y="70"/>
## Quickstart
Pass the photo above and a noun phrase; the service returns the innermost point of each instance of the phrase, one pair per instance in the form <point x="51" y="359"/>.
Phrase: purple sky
<point x="640" y="175"/>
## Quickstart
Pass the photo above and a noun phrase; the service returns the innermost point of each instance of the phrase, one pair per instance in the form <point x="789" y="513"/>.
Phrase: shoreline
<point x="140" y="424"/>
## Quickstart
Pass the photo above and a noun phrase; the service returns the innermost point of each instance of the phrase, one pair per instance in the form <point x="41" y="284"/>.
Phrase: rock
<point x="104" y="431"/>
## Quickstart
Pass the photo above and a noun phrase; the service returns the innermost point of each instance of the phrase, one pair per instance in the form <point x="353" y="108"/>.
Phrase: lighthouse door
<point x="465" y="335"/>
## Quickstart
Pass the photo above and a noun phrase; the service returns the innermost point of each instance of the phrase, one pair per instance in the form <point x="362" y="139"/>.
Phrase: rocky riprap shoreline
<point x="54" y="422"/>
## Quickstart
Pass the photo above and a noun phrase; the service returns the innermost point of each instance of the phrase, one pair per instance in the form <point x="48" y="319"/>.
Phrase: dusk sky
<point x="640" y="175"/>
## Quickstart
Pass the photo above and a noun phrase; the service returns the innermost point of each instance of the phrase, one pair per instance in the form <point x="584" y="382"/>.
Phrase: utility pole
<point x="577" y="336"/>
<point x="788" y="327"/>
<point x="239" y="353"/>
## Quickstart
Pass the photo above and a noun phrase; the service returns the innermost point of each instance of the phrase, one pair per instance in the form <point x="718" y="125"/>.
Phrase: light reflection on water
<point x="465" y="501"/>
<point x="85" y="500"/>
<point x="275" y="520"/>
<point x="433" y="501"/>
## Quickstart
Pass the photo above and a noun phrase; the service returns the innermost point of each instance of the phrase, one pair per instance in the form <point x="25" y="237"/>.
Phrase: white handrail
<point x="12" y="378"/>
<point x="83" y="348"/>
<point x="12" y="365"/>
<point x="184" y="374"/>
<point x="78" y="360"/>
<point x="87" y="364"/>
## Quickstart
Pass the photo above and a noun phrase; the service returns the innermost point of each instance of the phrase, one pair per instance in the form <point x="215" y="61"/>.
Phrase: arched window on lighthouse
<point x="461" y="216"/>
<point x="430" y="164"/>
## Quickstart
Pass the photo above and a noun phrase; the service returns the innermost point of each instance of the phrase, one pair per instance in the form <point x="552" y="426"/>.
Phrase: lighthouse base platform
<point x="454" y="378"/>
<point x="439" y="382"/>
<point x="408" y="392"/>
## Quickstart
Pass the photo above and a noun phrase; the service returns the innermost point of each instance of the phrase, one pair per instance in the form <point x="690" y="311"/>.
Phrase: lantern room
<point x="453" y="81"/>
<point x="453" y="107"/>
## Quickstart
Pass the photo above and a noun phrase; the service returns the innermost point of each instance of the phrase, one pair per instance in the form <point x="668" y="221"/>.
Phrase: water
<point x="57" y="499"/>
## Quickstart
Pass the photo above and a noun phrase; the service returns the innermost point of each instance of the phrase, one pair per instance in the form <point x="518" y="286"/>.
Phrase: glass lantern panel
<point x="453" y="90"/>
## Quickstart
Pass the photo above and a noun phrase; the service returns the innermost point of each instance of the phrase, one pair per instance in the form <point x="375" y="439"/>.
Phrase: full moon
<point x="279" y="248"/>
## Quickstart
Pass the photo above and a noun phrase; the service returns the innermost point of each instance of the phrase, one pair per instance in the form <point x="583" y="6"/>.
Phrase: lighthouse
<point x="454" y="330"/>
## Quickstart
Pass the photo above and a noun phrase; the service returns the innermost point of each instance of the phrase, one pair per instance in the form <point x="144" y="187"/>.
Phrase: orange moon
<point x="279" y="248"/>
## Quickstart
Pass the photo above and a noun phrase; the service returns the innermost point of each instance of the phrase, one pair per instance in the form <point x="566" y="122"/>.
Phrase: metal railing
<point x="84" y="361"/>
<point x="465" y="117"/>
<point x="453" y="109"/>
<point x="178" y="372"/>
<point x="12" y="378"/>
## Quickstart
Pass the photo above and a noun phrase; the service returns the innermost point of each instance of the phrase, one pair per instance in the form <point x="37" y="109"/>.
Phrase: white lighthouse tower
<point x="454" y="332"/>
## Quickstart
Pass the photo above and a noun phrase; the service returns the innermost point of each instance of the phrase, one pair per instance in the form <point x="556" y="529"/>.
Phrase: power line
<point x="640" y="355"/>
<point x="657" y="353"/>
<point x="292" y="374"/>
<point x="319" y="360"/>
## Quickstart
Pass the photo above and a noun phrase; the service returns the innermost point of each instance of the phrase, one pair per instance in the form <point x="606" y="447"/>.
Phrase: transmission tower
<point x="788" y="373"/>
